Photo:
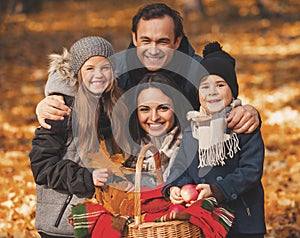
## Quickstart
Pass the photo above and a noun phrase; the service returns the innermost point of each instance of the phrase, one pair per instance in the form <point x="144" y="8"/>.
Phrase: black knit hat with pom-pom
<point x="218" y="62"/>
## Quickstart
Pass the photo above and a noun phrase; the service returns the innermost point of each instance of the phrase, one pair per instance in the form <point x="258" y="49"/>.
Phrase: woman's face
<point x="155" y="112"/>
<point x="96" y="74"/>
<point x="214" y="93"/>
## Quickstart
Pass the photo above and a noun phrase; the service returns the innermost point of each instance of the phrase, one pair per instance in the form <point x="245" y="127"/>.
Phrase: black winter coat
<point x="61" y="178"/>
<point x="47" y="165"/>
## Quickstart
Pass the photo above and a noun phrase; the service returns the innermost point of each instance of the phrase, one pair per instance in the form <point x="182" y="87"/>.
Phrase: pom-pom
<point x="211" y="47"/>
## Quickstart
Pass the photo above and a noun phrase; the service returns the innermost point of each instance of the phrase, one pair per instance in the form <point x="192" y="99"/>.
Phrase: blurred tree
<point x="192" y="6"/>
<point x="263" y="11"/>
<point x="31" y="6"/>
<point x="226" y="9"/>
<point x="10" y="7"/>
<point x="20" y="6"/>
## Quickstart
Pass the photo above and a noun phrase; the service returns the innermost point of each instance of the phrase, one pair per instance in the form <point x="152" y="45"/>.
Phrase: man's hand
<point x="52" y="108"/>
<point x="243" y="119"/>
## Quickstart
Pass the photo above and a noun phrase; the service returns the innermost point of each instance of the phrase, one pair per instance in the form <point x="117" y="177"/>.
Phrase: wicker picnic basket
<point x="174" y="229"/>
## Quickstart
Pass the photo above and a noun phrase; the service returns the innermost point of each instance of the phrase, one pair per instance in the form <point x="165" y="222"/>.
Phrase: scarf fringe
<point x="224" y="216"/>
<point x="216" y="154"/>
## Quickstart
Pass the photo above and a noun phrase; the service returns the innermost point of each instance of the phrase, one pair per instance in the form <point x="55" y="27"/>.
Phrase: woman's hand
<point x="243" y="119"/>
<point x="100" y="176"/>
<point x="53" y="108"/>
<point x="175" y="196"/>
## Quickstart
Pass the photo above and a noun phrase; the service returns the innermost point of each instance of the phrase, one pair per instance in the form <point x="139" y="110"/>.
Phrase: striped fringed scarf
<point x="224" y="216"/>
<point x="215" y="221"/>
<point x="84" y="218"/>
<point x="93" y="220"/>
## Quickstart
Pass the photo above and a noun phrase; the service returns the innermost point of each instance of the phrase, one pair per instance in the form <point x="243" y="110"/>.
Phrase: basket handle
<point x="138" y="178"/>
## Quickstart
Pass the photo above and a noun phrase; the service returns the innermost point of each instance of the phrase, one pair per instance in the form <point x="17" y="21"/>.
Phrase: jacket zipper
<point x="68" y="200"/>
<point x="247" y="208"/>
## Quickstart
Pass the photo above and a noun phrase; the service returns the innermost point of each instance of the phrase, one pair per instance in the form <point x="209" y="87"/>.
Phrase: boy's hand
<point x="204" y="191"/>
<point x="175" y="196"/>
<point x="243" y="119"/>
<point x="52" y="108"/>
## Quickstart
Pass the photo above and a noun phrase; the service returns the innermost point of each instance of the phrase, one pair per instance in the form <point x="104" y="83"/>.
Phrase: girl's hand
<point x="130" y="187"/>
<point x="175" y="196"/>
<point x="100" y="176"/>
<point x="204" y="191"/>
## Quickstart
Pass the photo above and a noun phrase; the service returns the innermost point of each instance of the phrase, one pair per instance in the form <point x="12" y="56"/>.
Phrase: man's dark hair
<point x="158" y="10"/>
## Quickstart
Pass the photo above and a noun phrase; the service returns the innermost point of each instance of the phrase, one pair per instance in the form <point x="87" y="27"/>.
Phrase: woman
<point x="58" y="157"/>
<point x="157" y="118"/>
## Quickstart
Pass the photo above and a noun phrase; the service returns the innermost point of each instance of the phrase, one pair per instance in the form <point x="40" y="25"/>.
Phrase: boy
<point x="223" y="164"/>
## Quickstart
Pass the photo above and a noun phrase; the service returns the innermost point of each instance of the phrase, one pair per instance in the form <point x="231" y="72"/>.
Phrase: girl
<point x="224" y="165"/>
<point x="59" y="156"/>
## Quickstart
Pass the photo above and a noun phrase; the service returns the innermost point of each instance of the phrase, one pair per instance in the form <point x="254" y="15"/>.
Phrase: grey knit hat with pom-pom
<point x="87" y="47"/>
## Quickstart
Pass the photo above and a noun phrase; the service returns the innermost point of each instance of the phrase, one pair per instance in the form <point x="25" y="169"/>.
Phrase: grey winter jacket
<point x="60" y="177"/>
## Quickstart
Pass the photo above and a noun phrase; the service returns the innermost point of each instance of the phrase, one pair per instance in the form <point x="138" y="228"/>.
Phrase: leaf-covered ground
<point x="267" y="53"/>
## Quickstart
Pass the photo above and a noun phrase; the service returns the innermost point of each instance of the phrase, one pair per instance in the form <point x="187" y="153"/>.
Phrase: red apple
<point x="176" y="208"/>
<point x="189" y="193"/>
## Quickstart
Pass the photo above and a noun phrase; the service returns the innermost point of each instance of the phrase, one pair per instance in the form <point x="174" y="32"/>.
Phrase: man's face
<point x="155" y="42"/>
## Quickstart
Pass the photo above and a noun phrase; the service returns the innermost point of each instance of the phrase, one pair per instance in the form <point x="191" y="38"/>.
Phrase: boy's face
<point x="214" y="93"/>
<point x="155" y="42"/>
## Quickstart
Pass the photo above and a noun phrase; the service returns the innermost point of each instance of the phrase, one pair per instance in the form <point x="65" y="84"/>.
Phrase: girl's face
<point x="155" y="112"/>
<point x="96" y="74"/>
<point x="214" y="93"/>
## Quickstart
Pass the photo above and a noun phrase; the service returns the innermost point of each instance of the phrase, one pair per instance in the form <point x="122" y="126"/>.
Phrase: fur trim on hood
<point x="61" y="79"/>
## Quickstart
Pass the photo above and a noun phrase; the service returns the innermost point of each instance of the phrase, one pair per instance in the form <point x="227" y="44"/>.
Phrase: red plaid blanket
<point x="214" y="221"/>
<point x="92" y="220"/>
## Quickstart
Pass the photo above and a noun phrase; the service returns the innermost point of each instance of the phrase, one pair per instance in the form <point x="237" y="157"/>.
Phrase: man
<point x="157" y="31"/>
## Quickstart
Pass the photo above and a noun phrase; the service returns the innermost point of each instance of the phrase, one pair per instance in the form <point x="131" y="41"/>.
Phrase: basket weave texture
<point x="172" y="229"/>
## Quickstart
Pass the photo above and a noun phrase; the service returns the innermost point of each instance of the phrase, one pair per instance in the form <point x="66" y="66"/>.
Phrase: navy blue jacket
<point x="239" y="179"/>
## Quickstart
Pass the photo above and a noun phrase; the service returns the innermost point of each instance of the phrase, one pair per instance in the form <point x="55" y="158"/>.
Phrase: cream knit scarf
<point x="213" y="137"/>
<point x="167" y="146"/>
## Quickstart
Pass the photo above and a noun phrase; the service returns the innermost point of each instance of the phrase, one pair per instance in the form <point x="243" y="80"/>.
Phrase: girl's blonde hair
<point x="87" y="110"/>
